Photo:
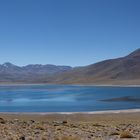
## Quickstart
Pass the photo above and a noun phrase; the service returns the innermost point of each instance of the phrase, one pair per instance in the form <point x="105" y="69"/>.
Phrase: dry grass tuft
<point x="113" y="133"/>
<point x="44" y="138"/>
<point x="40" y="127"/>
<point x="68" y="138"/>
<point x="126" y="134"/>
<point x="30" y="138"/>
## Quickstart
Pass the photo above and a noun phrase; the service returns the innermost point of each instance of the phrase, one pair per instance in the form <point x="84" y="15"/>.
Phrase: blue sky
<point x="67" y="32"/>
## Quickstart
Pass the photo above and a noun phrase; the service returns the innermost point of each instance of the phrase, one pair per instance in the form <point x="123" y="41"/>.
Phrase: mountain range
<point x="119" y="71"/>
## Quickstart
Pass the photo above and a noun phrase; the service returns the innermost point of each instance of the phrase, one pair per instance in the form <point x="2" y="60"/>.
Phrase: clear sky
<point x="67" y="32"/>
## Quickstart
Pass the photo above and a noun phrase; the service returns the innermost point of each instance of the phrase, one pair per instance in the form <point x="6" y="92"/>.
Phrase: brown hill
<point x="125" y="70"/>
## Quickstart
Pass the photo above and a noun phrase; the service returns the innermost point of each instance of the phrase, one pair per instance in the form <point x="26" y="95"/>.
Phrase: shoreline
<point x="74" y="113"/>
<point x="90" y="85"/>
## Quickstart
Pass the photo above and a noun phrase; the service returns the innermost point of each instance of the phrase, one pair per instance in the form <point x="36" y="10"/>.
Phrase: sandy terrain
<point x="93" y="126"/>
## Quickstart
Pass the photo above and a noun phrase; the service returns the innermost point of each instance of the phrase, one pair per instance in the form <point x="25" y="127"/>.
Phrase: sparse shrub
<point x="11" y="138"/>
<point x="64" y="122"/>
<point x="43" y="138"/>
<point x="30" y="138"/>
<point x="68" y="138"/>
<point x="113" y="133"/>
<point x="98" y="125"/>
<point x="2" y="121"/>
<point x="126" y="134"/>
<point x="22" y="138"/>
<point x="40" y="127"/>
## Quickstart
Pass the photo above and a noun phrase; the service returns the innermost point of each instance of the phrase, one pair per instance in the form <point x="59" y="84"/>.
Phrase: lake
<point x="62" y="98"/>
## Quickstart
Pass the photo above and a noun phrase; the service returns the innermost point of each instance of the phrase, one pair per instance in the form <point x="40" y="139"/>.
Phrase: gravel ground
<point x="70" y="127"/>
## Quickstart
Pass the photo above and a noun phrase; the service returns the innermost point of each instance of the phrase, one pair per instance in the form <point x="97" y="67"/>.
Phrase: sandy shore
<point x="76" y="126"/>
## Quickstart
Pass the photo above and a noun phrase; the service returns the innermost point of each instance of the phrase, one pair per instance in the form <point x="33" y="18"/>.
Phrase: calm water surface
<point x="56" y="98"/>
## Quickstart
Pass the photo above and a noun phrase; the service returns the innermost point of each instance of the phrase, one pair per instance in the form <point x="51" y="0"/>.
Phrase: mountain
<point x="30" y="73"/>
<point x="124" y="70"/>
<point x="120" y="71"/>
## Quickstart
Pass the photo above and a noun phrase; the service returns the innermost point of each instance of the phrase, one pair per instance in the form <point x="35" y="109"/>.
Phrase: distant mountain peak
<point x="135" y="53"/>
<point x="8" y="64"/>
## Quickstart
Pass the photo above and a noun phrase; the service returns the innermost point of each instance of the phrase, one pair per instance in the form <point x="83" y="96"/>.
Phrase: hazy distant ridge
<point x="30" y="73"/>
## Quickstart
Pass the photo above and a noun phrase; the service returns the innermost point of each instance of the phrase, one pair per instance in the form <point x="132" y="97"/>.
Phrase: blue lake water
<point x="59" y="98"/>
